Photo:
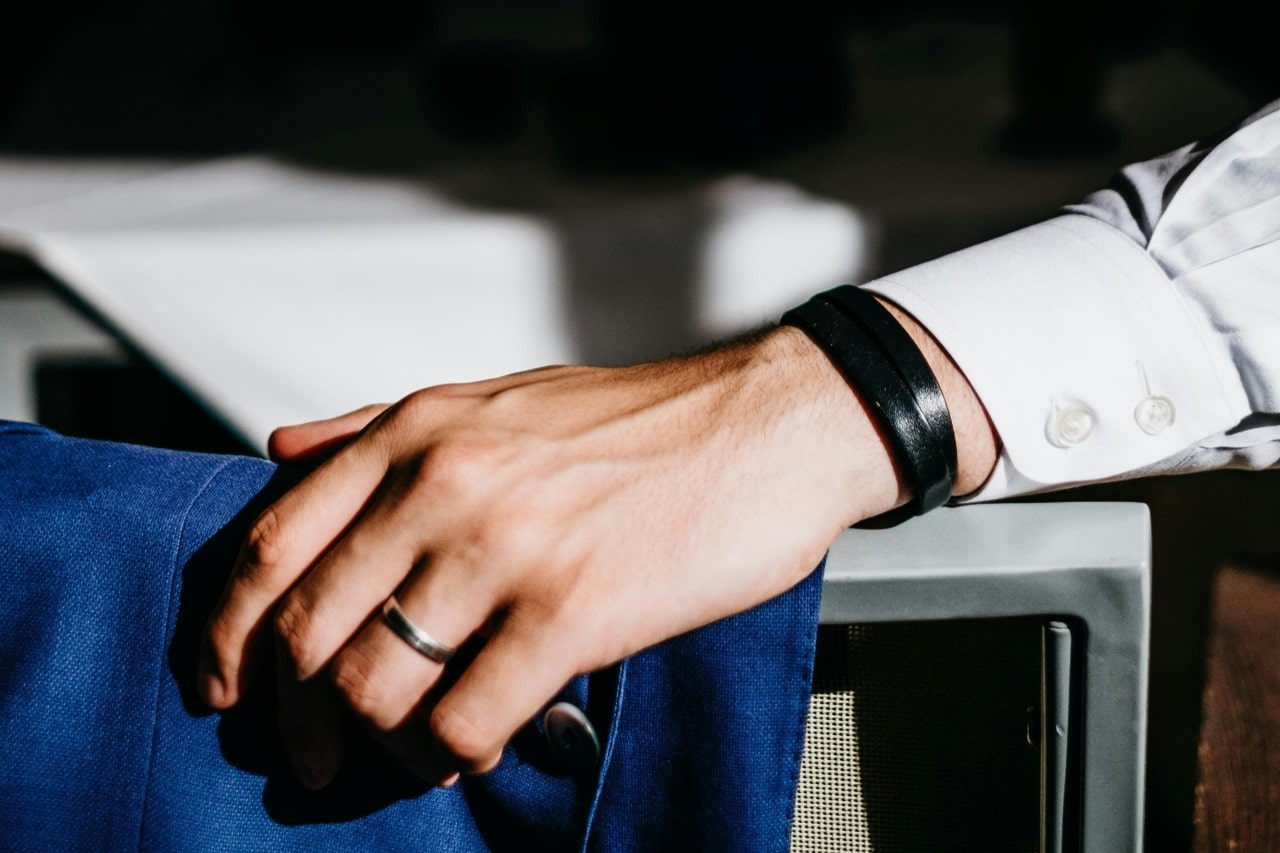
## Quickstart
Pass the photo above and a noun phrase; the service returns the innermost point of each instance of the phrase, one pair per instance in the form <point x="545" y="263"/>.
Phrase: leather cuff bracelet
<point x="877" y="356"/>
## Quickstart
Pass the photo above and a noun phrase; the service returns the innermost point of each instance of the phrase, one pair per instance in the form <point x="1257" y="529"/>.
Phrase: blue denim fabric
<point x="111" y="557"/>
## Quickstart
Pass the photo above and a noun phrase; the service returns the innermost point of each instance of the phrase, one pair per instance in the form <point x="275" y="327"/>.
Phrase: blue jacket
<point x="111" y="557"/>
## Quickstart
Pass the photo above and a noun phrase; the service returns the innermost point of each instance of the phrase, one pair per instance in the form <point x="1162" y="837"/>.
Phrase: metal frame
<point x="1087" y="563"/>
<point x="35" y="322"/>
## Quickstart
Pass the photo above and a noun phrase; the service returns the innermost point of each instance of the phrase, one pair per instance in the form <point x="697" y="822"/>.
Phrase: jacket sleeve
<point x="112" y="556"/>
<point x="1136" y="333"/>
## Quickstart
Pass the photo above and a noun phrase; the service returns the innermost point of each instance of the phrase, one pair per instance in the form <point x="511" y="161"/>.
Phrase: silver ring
<point x="418" y="639"/>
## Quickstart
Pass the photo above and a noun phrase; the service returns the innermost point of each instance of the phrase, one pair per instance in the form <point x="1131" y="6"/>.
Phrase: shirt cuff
<point x="1089" y="361"/>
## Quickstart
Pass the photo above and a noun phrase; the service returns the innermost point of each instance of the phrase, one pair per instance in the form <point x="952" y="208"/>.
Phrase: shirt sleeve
<point x="1136" y="333"/>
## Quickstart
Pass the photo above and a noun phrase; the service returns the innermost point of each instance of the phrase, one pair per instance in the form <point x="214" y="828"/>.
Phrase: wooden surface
<point x="1238" y="797"/>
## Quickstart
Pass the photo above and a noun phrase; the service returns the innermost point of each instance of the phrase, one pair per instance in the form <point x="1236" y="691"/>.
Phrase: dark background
<point x="945" y="123"/>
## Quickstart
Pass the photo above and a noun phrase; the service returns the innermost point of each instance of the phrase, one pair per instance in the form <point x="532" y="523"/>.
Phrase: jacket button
<point x="572" y="736"/>
<point x="1070" y="425"/>
<point x="1154" y="414"/>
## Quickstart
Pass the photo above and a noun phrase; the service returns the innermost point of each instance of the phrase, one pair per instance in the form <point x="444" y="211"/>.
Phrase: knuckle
<point x="501" y="537"/>
<point x="510" y="400"/>
<point x="368" y="695"/>
<point x="455" y="467"/>
<point x="470" y="745"/>
<point x="421" y="405"/>
<point x="561" y="592"/>
<point x="295" y="629"/>
<point x="489" y="546"/>
<point x="265" y="548"/>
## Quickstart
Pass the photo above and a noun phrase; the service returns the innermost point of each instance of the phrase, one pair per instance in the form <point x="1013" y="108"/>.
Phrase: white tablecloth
<point x="277" y="293"/>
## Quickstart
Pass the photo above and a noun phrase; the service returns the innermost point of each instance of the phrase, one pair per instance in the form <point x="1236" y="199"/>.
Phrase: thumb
<point x="315" y="440"/>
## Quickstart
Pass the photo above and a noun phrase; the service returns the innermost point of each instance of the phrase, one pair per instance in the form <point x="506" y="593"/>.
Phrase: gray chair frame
<point x="1088" y="563"/>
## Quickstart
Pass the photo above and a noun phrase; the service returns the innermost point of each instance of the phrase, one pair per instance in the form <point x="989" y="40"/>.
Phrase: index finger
<point x="282" y="544"/>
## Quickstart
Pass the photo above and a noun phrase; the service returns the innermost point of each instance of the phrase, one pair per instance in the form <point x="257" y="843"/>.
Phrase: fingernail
<point x="449" y="781"/>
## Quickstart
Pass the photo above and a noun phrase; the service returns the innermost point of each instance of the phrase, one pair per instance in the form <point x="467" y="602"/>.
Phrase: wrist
<point x="832" y="430"/>
<point x="839" y="426"/>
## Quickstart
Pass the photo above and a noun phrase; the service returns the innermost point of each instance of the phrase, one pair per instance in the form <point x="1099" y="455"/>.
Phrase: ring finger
<point x="382" y="676"/>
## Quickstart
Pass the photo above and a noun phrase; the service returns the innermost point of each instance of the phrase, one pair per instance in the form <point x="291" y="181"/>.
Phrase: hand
<point x="575" y="515"/>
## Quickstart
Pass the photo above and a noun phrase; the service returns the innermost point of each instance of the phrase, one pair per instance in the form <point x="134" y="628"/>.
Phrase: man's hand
<point x="572" y="515"/>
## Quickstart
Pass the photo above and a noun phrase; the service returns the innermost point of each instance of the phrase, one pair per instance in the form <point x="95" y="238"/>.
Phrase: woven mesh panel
<point x="917" y="739"/>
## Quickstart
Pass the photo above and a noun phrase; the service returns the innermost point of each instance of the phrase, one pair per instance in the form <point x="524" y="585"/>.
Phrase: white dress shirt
<point x="1137" y="333"/>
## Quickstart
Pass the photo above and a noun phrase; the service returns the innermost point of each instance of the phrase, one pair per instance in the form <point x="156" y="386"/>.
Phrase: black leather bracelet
<point x="876" y="356"/>
<point x="907" y="359"/>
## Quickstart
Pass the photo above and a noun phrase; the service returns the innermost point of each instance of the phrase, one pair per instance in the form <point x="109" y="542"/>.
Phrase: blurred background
<point x="634" y="178"/>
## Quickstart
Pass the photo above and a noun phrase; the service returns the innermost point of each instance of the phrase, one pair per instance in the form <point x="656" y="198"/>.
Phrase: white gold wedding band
<point x="417" y="638"/>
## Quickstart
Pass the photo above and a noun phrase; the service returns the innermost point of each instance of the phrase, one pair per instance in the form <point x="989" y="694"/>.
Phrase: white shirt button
<point x="1071" y="424"/>
<point x="1154" y="414"/>
<point x="572" y="736"/>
